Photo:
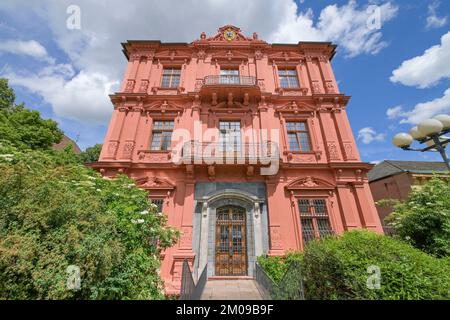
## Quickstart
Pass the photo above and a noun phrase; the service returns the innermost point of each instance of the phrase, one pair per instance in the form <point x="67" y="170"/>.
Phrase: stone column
<point x="257" y="229"/>
<point x="368" y="211"/>
<point x="204" y="227"/>
<point x="109" y="151"/>
<point x="348" y="208"/>
<point x="129" y="133"/>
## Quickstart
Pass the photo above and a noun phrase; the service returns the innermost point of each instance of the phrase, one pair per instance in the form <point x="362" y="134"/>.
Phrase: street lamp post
<point x="431" y="132"/>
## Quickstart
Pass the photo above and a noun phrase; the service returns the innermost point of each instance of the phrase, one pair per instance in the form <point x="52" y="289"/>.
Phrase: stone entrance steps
<point x="231" y="289"/>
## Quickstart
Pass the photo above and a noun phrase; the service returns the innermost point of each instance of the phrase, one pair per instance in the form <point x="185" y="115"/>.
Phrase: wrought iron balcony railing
<point x="232" y="80"/>
<point x="209" y="152"/>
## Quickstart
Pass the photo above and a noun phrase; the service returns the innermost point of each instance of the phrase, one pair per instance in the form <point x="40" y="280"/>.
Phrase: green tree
<point x="55" y="214"/>
<point x="7" y="96"/>
<point x="424" y="219"/>
<point x="91" y="154"/>
<point x="24" y="128"/>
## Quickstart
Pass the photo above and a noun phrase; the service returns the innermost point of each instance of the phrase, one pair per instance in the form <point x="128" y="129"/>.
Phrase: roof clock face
<point x="229" y="34"/>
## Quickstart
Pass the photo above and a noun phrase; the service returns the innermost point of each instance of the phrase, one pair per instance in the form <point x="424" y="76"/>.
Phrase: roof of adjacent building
<point x="389" y="168"/>
<point x="66" y="141"/>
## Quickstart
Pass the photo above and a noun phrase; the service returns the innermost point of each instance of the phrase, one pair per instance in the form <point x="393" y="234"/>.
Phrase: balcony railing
<point x="241" y="153"/>
<point x="229" y="80"/>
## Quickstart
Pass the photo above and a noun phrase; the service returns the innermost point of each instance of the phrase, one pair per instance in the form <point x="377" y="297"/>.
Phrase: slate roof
<point x="66" y="141"/>
<point x="389" y="168"/>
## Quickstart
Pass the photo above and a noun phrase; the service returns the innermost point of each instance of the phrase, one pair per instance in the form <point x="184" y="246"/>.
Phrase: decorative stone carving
<point x="332" y="151"/>
<point x="201" y="54"/>
<point x="258" y="55"/>
<point x="153" y="157"/>
<point x="155" y="183"/>
<point x="261" y="85"/>
<point x="112" y="148"/>
<point x="144" y="86"/>
<point x="246" y="99"/>
<point x="300" y="158"/>
<point x="128" y="149"/>
<point x="316" y="87"/>
<point x="348" y="148"/>
<point x="329" y="87"/>
<point x="130" y="86"/>
<point x="309" y="182"/>
<point x="214" y="99"/>
<point x="275" y="237"/>
<point x="186" y="238"/>
<point x="198" y="85"/>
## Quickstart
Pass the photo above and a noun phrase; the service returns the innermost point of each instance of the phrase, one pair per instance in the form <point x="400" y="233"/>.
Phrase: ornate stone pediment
<point x="228" y="34"/>
<point x="286" y="56"/>
<point x="309" y="183"/>
<point x="294" y="107"/>
<point x="154" y="183"/>
<point x="172" y="55"/>
<point x="164" y="106"/>
<point x="230" y="55"/>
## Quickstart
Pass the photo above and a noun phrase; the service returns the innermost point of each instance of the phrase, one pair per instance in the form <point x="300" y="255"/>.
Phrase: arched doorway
<point x="231" y="241"/>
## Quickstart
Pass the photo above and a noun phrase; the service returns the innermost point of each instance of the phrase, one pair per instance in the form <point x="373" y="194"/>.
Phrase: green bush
<point x="424" y="219"/>
<point x="276" y="266"/>
<point x="337" y="268"/>
<point x="54" y="213"/>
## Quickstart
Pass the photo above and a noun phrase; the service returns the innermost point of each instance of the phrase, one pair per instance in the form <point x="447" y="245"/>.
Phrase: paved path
<point x="231" y="290"/>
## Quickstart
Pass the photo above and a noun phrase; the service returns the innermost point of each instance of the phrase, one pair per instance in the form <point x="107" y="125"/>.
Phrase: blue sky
<point x="396" y="75"/>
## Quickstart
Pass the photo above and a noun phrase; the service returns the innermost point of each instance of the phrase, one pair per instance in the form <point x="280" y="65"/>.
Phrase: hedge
<point x="343" y="267"/>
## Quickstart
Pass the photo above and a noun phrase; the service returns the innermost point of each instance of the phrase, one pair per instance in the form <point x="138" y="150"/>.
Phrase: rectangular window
<point x="314" y="219"/>
<point x="230" y="136"/>
<point x="162" y="135"/>
<point x="159" y="203"/>
<point x="288" y="78"/>
<point x="171" y="78"/>
<point x="298" y="136"/>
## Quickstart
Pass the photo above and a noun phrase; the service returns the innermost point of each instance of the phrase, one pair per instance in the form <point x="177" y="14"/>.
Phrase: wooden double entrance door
<point x="231" y="241"/>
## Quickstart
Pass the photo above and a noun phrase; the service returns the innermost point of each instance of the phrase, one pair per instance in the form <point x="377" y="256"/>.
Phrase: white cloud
<point x="433" y="21"/>
<point x="394" y="112"/>
<point x="83" y="96"/>
<point x="95" y="54"/>
<point x="425" y="110"/>
<point x="368" y="135"/>
<point x="428" y="69"/>
<point x="348" y="26"/>
<point x="30" y="48"/>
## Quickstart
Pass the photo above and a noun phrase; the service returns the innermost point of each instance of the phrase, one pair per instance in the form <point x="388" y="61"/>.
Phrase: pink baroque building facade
<point x="244" y="145"/>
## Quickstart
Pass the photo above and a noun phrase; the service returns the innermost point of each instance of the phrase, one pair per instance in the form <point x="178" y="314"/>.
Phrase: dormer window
<point x="171" y="78"/>
<point x="288" y="78"/>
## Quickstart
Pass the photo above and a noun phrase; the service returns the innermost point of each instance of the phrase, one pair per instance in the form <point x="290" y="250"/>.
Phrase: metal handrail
<point x="290" y="287"/>
<point x="189" y="289"/>
<point x="187" y="282"/>
<point x="230" y="80"/>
